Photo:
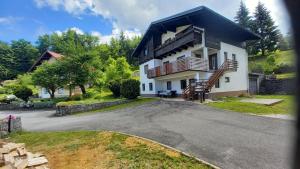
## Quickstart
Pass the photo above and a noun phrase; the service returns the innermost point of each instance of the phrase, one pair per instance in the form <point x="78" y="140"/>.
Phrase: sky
<point x="29" y="19"/>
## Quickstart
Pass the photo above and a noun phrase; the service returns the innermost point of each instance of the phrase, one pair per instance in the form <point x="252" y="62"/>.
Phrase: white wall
<point x="58" y="93"/>
<point x="143" y="77"/>
<point x="238" y="79"/>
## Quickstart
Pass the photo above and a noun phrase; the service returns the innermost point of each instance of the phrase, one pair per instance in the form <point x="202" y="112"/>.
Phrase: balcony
<point x="186" y="64"/>
<point x="182" y="40"/>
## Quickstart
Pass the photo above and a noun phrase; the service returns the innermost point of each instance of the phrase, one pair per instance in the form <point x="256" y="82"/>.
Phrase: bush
<point x="2" y="90"/>
<point x="23" y="93"/>
<point x="130" y="89"/>
<point x="257" y="68"/>
<point x="75" y="97"/>
<point x="115" y="88"/>
<point x="284" y="68"/>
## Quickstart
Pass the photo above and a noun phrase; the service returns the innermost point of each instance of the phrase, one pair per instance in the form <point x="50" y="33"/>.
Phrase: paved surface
<point x="267" y="102"/>
<point x="226" y="139"/>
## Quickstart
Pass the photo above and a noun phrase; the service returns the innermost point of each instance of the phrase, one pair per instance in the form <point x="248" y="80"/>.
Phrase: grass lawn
<point x="93" y="149"/>
<point x="285" y="75"/>
<point x="103" y="97"/>
<point x="234" y="104"/>
<point x="136" y="102"/>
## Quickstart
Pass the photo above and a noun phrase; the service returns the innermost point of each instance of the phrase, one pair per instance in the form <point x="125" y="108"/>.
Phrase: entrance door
<point x="213" y="62"/>
<point x="253" y="88"/>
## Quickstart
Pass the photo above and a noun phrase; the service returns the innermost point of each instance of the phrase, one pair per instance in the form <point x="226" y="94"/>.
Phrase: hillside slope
<point x="279" y="62"/>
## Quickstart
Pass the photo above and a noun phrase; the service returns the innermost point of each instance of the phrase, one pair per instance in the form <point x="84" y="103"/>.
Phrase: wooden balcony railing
<point x="188" y="37"/>
<point x="189" y="63"/>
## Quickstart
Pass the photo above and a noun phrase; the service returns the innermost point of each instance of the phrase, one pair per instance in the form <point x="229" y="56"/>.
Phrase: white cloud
<point x="115" y="34"/>
<point x="9" y="20"/>
<point x="138" y="14"/>
<point x="105" y="39"/>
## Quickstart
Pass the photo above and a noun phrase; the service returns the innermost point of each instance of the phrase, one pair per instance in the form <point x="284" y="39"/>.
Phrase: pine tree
<point x="242" y="16"/>
<point x="264" y="26"/>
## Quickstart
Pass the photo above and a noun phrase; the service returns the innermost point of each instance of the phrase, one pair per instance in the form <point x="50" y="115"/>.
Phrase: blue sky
<point x="28" y="19"/>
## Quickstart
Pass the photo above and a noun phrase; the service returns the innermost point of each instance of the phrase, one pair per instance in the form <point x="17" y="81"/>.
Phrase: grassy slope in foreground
<point x="234" y="104"/>
<point x="93" y="149"/>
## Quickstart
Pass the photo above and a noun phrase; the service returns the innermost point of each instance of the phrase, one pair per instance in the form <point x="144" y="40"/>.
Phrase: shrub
<point x="130" y="89"/>
<point x="75" y="97"/>
<point x="115" y="88"/>
<point x="91" y="92"/>
<point x="2" y="90"/>
<point x="23" y="93"/>
<point x="257" y="68"/>
<point x="284" y="68"/>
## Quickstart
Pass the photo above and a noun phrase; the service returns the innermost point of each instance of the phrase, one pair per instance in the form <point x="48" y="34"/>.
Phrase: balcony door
<point x="166" y="67"/>
<point x="213" y="62"/>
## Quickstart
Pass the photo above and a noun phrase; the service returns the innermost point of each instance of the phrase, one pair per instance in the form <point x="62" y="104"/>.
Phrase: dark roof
<point x="204" y="15"/>
<point x="45" y="56"/>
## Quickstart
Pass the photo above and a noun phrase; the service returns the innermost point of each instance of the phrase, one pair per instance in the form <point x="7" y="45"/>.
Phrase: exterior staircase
<point x="197" y="89"/>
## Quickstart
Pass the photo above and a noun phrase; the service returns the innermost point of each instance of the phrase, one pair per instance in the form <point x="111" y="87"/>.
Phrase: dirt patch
<point x="132" y="142"/>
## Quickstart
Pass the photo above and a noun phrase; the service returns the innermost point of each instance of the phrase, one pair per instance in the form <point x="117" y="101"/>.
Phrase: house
<point x="51" y="57"/>
<point x="194" y="52"/>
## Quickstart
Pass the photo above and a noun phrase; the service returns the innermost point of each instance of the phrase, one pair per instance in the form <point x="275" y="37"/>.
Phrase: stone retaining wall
<point x="67" y="110"/>
<point x="39" y="105"/>
<point x="277" y="86"/>
<point x="16" y="125"/>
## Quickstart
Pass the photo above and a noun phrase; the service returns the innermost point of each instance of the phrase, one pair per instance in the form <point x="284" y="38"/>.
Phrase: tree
<point x="242" y="16"/>
<point x="44" y="43"/>
<point x="117" y="70"/>
<point x="7" y="64"/>
<point x="80" y="62"/>
<point x="49" y="76"/>
<point x="23" y="93"/>
<point x="283" y="43"/>
<point x="264" y="26"/>
<point x="25" y="54"/>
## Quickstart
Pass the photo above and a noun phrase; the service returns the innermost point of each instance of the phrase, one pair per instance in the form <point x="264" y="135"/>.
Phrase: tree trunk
<point x="82" y="89"/>
<point x="70" y="90"/>
<point x="52" y="93"/>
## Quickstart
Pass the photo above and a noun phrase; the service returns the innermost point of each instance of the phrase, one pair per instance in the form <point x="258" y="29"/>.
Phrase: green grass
<point x="93" y="149"/>
<point x="234" y="104"/>
<point x="135" y="102"/>
<point x="281" y="57"/>
<point x="102" y="97"/>
<point x="286" y="75"/>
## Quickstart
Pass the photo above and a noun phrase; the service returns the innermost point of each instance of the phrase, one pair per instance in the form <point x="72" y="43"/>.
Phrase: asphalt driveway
<point x="226" y="139"/>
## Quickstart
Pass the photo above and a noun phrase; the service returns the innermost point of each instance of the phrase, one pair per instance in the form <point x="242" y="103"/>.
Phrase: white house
<point x="194" y="52"/>
<point x="51" y="57"/>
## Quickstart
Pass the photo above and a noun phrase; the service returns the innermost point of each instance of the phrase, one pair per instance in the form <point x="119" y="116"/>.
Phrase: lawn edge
<point x="168" y="147"/>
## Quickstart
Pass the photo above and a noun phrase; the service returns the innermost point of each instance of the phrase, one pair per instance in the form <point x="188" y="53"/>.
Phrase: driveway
<point x="226" y="139"/>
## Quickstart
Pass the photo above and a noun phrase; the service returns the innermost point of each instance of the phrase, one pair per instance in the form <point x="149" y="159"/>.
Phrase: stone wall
<point x="67" y="110"/>
<point x="39" y="105"/>
<point x="277" y="86"/>
<point x="16" y="125"/>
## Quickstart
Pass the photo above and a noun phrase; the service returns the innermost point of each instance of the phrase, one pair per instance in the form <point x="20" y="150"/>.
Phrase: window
<point x="150" y="86"/>
<point x="169" y="85"/>
<point x="225" y="56"/>
<point x="227" y="79"/>
<point x="181" y="57"/>
<point x="45" y="91"/>
<point x="217" y="84"/>
<point x="143" y="86"/>
<point x="60" y="91"/>
<point x="183" y="84"/>
<point x="145" y="52"/>
<point x="146" y="69"/>
<point x="234" y="57"/>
